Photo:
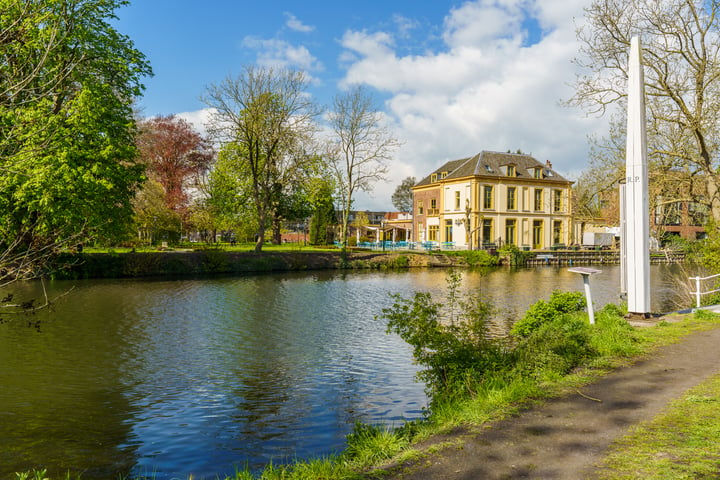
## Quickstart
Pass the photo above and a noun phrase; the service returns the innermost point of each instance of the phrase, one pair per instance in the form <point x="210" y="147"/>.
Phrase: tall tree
<point x="359" y="150"/>
<point x="228" y="192"/>
<point x="67" y="151"/>
<point x="264" y="118"/>
<point x="681" y="54"/>
<point x="402" y="198"/>
<point x="177" y="157"/>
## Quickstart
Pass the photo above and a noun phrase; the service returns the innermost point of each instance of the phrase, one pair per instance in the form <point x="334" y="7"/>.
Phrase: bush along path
<point x="567" y="437"/>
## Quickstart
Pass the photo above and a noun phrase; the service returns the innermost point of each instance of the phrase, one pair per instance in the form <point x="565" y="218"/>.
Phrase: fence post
<point x="697" y="292"/>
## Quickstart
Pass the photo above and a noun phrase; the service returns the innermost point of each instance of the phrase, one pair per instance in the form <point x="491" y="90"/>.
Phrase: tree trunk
<point x="277" y="237"/>
<point x="714" y="198"/>
<point x="259" y="239"/>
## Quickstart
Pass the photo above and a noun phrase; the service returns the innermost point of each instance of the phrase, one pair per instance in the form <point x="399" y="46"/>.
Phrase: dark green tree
<point x="323" y="218"/>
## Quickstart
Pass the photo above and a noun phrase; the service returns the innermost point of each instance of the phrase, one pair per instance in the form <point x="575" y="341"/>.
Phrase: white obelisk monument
<point x="637" y="216"/>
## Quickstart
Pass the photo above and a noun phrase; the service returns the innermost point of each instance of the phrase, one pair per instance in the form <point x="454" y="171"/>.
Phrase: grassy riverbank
<point x="683" y="442"/>
<point x="126" y="263"/>
<point x="566" y="355"/>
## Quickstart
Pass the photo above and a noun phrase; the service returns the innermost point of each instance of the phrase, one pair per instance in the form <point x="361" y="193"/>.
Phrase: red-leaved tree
<point x="177" y="157"/>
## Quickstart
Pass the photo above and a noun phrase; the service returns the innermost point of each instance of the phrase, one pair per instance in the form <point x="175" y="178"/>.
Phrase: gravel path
<point x="566" y="437"/>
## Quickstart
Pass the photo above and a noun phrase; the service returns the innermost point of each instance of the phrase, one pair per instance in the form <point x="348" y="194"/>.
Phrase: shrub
<point x="555" y="347"/>
<point x="449" y="338"/>
<point x="613" y="335"/>
<point x="513" y="255"/>
<point x="478" y="258"/>
<point x="541" y="312"/>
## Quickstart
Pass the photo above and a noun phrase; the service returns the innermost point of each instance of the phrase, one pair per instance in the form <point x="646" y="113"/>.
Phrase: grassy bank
<point x="126" y="263"/>
<point x="682" y="442"/>
<point x="554" y="350"/>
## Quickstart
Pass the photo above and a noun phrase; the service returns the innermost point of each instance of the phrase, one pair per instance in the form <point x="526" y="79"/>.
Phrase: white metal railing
<point x="697" y="291"/>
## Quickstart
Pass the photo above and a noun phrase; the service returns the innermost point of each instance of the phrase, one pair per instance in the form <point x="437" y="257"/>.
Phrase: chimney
<point x="548" y="164"/>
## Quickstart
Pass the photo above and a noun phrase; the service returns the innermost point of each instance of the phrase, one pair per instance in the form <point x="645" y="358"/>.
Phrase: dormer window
<point x="510" y="171"/>
<point x="443" y="175"/>
<point x="433" y="177"/>
<point x="537" y="172"/>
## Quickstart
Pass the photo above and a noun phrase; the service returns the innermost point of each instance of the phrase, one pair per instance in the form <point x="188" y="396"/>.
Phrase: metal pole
<point x="697" y="291"/>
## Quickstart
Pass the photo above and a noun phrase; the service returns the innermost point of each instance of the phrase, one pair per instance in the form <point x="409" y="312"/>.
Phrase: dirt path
<point x="565" y="437"/>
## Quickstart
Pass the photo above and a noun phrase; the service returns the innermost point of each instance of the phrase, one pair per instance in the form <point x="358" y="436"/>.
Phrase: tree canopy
<point x="67" y="149"/>
<point x="176" y="156"/>
<point x="402" y="198"/>
<point x="681" y="53"/>
<point x="264" y="120"/>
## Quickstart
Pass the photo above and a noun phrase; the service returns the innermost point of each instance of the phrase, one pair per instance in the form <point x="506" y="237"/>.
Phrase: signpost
<point x="586" y="272"/>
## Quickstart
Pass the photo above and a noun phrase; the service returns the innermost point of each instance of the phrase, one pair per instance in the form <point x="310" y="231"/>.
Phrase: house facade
<point x="493" y="199"/>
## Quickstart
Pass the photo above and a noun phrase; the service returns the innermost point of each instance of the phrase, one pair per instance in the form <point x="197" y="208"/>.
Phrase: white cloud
<point x="405" y="25"/>
<point x="482" y="24"/>
<point x="488" y="88"/>
<point x="198" y="119"/>
<point x="281" y="54"/>
<point x="485" y="88"/>
<point x="293" y="23"/>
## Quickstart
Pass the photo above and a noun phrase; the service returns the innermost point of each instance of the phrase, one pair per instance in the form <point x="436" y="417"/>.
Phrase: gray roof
<point x="489" y="164"/>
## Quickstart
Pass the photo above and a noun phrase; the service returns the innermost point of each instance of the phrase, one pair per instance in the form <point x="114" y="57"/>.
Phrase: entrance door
<point x="537" y="234"/>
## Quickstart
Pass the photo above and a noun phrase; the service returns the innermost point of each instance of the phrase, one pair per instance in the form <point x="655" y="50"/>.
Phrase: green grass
<point x="226" y="247"/>
<point x="681" y="443"/>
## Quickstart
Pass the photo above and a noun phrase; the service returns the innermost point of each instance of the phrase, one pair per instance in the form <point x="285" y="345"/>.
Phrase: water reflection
<point x="199" y="376"/>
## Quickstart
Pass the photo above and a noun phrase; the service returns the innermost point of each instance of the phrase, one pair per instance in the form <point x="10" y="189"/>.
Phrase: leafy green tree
<point x="449" y="338"/>
<point x="155" y="222"/>
<point x="67" y="151"/>
<point x="323" y="217"/>
<point x="264" y="119"/>
<point x="228" y="192"/>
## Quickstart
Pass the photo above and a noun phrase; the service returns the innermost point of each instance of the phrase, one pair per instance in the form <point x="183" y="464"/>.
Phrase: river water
<point x="169" y="378"/>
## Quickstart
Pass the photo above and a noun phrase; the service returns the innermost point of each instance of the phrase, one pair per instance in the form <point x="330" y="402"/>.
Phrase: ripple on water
<point x="198" y="376"/>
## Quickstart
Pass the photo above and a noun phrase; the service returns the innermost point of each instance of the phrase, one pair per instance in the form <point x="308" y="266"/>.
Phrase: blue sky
<point x="453" y="77"/>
